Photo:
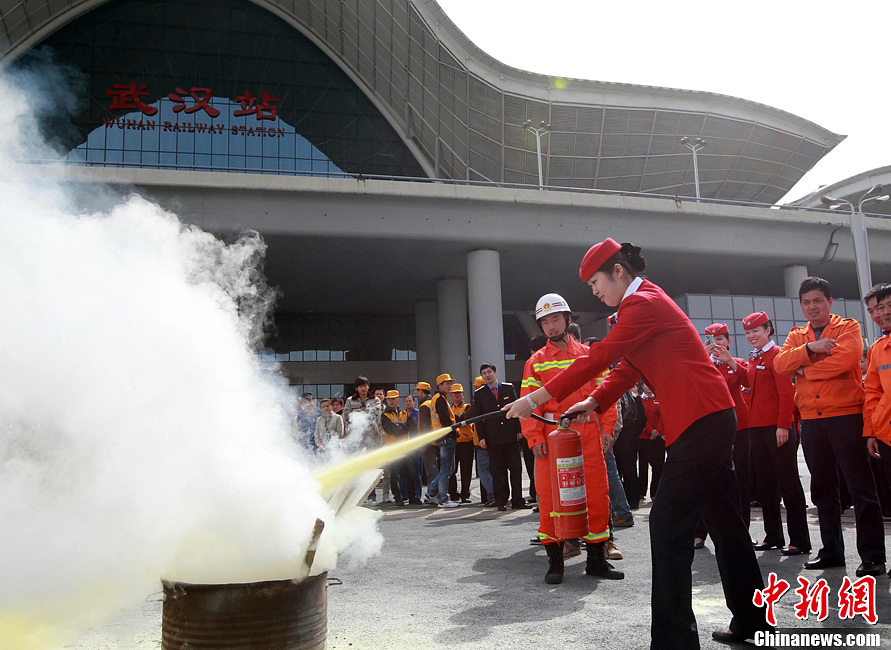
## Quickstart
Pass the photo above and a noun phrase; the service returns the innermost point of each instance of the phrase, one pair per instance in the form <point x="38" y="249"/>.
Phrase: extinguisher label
<point x="571" y="479"/>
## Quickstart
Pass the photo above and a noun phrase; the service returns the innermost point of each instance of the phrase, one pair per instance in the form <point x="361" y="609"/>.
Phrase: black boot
<point x="596" y="565"/>
<point x="554" y="576"/>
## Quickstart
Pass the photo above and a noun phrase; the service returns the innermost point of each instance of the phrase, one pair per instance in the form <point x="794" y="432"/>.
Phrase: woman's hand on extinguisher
<point x="608" y="441"/>
<point x="581" y="410"/>
<point x="540" y="451"/>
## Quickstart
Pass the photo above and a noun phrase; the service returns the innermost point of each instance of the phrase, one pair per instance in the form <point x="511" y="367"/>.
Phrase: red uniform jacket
<point x="654" y="416"/>
<point x="773" y="394"/>
<point x="655" y="340"/>
<point x="735" y="383"/>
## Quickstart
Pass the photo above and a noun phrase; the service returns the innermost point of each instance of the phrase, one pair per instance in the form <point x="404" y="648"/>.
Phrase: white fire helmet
<point x="551" y="303"/>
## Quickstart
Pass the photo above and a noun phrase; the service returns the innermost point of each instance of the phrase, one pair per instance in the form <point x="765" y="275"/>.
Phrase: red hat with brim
<point x="716" y="329"/>
<point x="752" y="321"/>
<point x="597" y="256"/>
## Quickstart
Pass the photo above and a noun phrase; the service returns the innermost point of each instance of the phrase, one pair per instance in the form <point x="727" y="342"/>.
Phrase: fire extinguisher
<point x="570" y="507"/>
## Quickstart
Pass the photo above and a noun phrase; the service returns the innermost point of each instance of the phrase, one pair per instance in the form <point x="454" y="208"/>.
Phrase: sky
<point x="824" y="66"/>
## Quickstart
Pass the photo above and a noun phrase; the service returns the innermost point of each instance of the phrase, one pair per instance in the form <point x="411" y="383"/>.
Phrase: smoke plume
<point x="139" y="436"/>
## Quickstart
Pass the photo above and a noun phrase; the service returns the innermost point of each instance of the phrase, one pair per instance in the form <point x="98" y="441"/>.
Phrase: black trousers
<point x="742" y="467"/>
<point x="625" y="451"/>
<point x="777" y="469"/>
<point x="504" y="460"/>
<point x="885" y="460"/>
<point x="529" y="461"/>
<point x="832" y="445"/>
<point x="404" y="470"/>
<point x="651" y="453"/>
<point x="463" y="460"/>
<point x="698" y="481"/>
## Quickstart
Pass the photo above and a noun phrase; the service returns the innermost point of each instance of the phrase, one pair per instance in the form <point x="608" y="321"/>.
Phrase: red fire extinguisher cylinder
<point x="570" y="503"/>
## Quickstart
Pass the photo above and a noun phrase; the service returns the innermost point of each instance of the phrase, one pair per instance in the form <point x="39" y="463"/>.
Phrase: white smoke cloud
<point x="139" y="436"/>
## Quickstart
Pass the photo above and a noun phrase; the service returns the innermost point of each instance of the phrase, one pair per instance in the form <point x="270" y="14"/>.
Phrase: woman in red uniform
<point x="651" y="447"/>
<point x="733" y="370"/>
<point x="654" y="340"/>
<point x="774" y="442"/>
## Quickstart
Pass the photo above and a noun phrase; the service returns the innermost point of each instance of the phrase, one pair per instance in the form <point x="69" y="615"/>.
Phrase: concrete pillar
<point x="792" y="279"/>
<point x="427" y="340"/>
<point x="453" y="345"/>
<point x="486" y="320"/>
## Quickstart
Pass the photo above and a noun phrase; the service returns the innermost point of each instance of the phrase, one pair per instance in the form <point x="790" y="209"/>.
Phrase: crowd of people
<point x="653" y="404"/>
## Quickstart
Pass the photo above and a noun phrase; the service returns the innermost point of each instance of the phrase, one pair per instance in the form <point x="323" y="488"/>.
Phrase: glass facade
<point x="785" y="313"/>
<point x="339" y="337"/>
<point x="216" y="85"/>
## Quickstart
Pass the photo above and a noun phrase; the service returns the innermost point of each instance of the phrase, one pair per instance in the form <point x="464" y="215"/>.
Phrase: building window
<point x="216" y="85"/>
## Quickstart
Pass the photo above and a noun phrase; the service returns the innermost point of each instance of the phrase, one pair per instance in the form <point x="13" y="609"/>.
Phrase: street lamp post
<point x="695" y="146"/>
<point x="539" y="131"/>
<point x="861" y="241"/>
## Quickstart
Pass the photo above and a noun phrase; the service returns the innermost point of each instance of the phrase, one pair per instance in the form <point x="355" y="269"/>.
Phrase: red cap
<point x="716" y="329"/>
<point x="752" y="321"/>
<point x="597" y="256"/>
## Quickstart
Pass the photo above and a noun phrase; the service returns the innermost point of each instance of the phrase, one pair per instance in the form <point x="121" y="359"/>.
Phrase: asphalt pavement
<point x="468" y="578"/>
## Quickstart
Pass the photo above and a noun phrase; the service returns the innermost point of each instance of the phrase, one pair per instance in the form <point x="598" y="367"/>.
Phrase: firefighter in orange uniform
<point x="553" y="316"/>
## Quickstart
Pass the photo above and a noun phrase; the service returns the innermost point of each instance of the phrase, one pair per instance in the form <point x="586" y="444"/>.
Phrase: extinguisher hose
<point x="477" y="418"/>
<point x="562" y="421"/>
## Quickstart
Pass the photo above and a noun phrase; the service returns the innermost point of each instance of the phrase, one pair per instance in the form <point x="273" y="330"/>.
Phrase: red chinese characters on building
<point x="858" y="598"/>
<point x="264" y="110"/>
<point x="768" y="596"/>
<point x="202" y="101"/>
<point x="127" y="96"/>
<point x="812" y="599"/>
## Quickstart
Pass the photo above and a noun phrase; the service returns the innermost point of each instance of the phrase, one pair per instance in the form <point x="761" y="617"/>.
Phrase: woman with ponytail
<point x="654" y="340"/>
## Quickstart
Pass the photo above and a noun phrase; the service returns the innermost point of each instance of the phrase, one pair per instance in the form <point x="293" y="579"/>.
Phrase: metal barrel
<point x="274" y="615"/>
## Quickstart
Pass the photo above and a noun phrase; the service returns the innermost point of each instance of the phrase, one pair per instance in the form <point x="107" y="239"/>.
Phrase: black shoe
<point x="554" y="576"/>
<point x="726" y="636"/>
<point x="535" y="509"/>
<point x="794" y="551"/>
<point x="489" y="504"/>
<point x="502" y="508"/>
<point x="535" y="541"/>
<point x="519" y="506"/>
<point x="596" y="564"/>
<point x="415" y="502"/>
<point x="766" y="546"/>
<point x="465" y="500"/>
<point x="823" y="563"/>
<point x="400" y="503"/>
<point x="870" y="569"/>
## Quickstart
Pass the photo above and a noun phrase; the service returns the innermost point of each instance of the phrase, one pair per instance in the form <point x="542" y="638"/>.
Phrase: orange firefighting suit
<point x="541" y="367"/>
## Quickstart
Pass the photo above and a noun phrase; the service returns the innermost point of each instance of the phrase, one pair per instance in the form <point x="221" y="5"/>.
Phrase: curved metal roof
<point x="853" y="189"/>
<point x="461" y="112"/>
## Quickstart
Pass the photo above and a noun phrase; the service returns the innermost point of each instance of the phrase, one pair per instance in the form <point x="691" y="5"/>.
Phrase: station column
<point x="427" y="340"/>
<point x="453" y="345"/>
<point x="792" y="279"/>
<point x="486" y="320"/>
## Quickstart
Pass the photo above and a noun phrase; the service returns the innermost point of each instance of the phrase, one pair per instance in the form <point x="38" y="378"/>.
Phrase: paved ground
<point x="468" y="578"/>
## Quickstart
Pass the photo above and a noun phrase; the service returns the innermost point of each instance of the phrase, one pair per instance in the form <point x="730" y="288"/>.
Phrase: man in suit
<point x="500" y="437"/>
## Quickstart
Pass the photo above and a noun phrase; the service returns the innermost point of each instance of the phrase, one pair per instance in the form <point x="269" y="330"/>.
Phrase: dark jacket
<point x="496" y="430"/>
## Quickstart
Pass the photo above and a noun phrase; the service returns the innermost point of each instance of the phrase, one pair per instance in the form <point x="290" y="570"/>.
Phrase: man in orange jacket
<point x="824" y="356"/>
<point x="553" y="316"/>
<point x="877" y="408"/>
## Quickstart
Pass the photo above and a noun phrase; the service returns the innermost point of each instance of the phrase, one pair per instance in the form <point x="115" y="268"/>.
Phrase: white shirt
<point x="634" y="286"/>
